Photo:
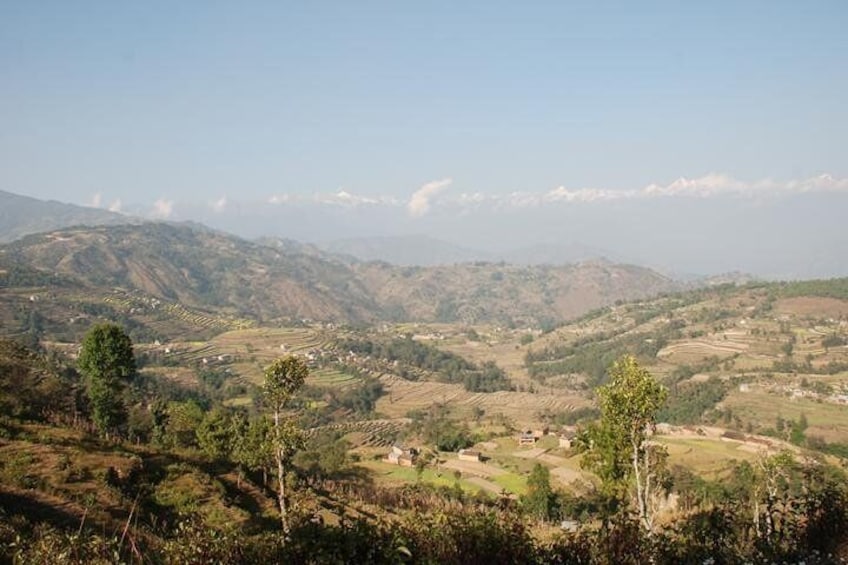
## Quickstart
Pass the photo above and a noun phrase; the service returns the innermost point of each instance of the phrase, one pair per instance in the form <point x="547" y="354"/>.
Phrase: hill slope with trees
<point x="201" y="268"/>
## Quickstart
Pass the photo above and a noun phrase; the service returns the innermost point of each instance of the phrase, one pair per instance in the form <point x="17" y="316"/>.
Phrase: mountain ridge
<point x="211" y="270"/>
<point x="23" y="215"/>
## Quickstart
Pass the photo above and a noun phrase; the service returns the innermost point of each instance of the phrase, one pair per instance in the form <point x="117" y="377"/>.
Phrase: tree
<point x="618" y="448"/>
<point x="251" y="445"/>
<point x="283" y="378"/>
<point x="537" y="501"/>
<point x="324" y="456"/>
<point x="107" y="361"/>
<point x="214" y="434"/>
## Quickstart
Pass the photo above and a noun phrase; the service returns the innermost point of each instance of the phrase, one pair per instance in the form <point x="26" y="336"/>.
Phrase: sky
<point x="484" y="123"/>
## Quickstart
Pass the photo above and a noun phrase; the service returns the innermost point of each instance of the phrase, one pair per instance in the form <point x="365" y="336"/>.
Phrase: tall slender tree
<point x="283" y="378"/>
<point x="618" y="446"/>
<point x="107" y="362"/>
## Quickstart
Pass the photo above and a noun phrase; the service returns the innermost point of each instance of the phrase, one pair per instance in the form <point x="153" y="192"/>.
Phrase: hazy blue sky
<point x="185" y="109"/>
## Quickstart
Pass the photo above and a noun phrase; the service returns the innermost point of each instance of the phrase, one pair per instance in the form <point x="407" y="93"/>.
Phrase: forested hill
<point x="201" y="268"/>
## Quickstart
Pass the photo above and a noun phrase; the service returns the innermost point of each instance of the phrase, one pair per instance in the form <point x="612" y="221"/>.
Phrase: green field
<point x="330" y="378"/>
<point x="388" y="472"/>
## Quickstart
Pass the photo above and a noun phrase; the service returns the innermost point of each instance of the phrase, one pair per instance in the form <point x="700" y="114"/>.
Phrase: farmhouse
<point x="469" y="455"/>
<point x="566" y="438"/>
<point x="527" y="438"/>
<point x="570" y="525"/>
<point x="398" y="455"/>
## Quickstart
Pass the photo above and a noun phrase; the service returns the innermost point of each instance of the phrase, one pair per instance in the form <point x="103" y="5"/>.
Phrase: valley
<point x="753" y="372"/>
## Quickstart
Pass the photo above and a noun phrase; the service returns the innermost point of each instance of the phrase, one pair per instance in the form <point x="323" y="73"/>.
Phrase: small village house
<point x="566" y="438"/>
<point x="527" y="438"/>
<point x="469" y="455"/>
<point x="398" y="455"/>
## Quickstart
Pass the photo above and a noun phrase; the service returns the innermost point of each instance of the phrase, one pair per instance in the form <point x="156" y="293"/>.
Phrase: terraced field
<point x="246" y="352"/>
<point x="761" y="404"/>
<point x="368" y="433"/>
<point x="161" y="315"/>
<point x="522" y="407"/>
<point x="330" y="378"/>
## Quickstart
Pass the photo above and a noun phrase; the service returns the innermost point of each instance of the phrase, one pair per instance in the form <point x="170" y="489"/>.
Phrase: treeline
<point x="14" y="274"/>
<point x="688" y="401"/>
<point x="592" y="358"/>
<point x="414" y="357"/>
<point x="791" y="366"/>
<point x="828" y="288"/>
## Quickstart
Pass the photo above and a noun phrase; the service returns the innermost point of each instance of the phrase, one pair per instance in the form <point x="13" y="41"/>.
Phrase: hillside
<point x="412" y="250"/>
<point x="761" y="358"/>
<point x="222" y="274"/>
<point x="504" y="294"/>
<point x="22" y="215"/>
<point x="198" y="268"/>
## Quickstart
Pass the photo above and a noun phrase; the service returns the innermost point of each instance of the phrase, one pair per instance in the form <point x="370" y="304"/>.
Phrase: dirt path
<point x="529" y="453"/>
<point x="486" y="485"/>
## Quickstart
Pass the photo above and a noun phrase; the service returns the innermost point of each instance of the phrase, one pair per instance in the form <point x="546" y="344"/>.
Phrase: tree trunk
<point x="640" y="488"/>
<point x="281" y="475"/>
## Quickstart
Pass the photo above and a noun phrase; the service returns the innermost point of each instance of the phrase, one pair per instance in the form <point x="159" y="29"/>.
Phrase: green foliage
<point x="829" y="288"/>
<point x="35" y="387"/>
<point x="181" y="424"/>
<point x="323" y="456"/>
<point x="629" y="405"/>
<point x="214" y="434"/>
<point x="252" y="447"/>
<point x="538" y="501"/>
<point x="490" y="378"/>
<point x="617" y="445"/>
<point x="417" y="357"/>
<point x="592" y="355"/>
<point x="443" y="433"/>
<point x="687" y="402"/>
<point x="359" y="399"/>
<point x="108" y="363"/>
<point x="283" y="378"/>
<point x="412" y="353"/>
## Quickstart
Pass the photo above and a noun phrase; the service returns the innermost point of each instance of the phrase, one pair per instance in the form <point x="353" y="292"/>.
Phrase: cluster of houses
<point x="407" y="456"/>
<point x="403" y="456"/>
<point x="530" y="437"/>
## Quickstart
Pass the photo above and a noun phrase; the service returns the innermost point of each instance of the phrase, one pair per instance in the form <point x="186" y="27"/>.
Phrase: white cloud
<point x="419" y="203"/>
<point x="219" y="205"/>
<point x="163" y="208"/>
<point x="707" y="186"/>
<point x="96" y="200"/>
<point x="350" y="200"/>
<point x="115" y="206"/>
<point x="279" y="198"/>
<point x="585" y="194"/>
